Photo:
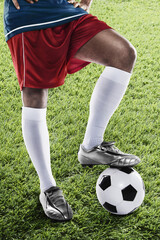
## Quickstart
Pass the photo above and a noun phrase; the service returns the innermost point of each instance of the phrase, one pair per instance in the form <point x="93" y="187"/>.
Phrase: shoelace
<point x="109" y="147"/>
<point x="56" y="199"/>
<point x="55" y="194"/>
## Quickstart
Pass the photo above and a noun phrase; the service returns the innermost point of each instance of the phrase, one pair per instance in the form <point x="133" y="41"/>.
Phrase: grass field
<point x="134" y="126"/>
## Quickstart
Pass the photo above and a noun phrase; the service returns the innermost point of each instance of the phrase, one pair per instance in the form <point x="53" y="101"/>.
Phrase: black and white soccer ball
<point x="120" y="190"/>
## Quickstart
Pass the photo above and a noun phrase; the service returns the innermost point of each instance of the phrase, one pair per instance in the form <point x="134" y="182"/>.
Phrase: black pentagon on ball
<point x="126" y="170"/>
<point x="105" y="182"/>
<point x="129" y="193"/>
<point x="110" y="207"/>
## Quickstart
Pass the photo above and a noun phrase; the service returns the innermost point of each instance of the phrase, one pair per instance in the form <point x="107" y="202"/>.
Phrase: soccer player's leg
<point x="110" y="49"/>
<point x="37" y="71"/>
<point x="36" y="138"/>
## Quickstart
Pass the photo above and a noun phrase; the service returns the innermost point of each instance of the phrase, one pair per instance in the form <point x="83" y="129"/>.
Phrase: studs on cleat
<point x="90" y="166"/>
<point x="86" y="165"/>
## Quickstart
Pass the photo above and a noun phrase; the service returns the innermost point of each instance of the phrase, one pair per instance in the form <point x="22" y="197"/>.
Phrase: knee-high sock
<point x="107" y="95"/>
<point x="36" y="138"/>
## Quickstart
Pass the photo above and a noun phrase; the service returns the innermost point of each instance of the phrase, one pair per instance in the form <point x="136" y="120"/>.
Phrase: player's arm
<point x="85" y="4"/>
<point x="16" y="4"/>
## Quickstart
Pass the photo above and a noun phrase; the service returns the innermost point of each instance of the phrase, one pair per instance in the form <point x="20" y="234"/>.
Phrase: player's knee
<point x="131" y="54"/>
<point x="123" y="56"/>
<point x="35" y="98"/>
<point x="127" y="57"/>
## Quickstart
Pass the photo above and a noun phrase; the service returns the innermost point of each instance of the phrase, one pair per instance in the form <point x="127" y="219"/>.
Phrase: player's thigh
<point x="34" y="98"/>
<point x="107" y="48"/>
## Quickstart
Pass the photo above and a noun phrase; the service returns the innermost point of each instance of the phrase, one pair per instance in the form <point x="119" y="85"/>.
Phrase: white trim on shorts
<point x="42" y="24"/>
<point x="24" y="66"/>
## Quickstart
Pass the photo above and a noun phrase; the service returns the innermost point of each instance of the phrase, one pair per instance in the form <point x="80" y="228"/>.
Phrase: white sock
<point x="107" y="95"/>
<point x="36" y="138"/>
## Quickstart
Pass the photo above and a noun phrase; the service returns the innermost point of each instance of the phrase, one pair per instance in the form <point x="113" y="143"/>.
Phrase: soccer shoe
<point x="106" y="154"/>
<point x="54" y="205"/>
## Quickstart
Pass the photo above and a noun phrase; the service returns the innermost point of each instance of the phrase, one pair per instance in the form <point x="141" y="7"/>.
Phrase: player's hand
<point x="16" y="4"/>
<point x="77" y="4"/>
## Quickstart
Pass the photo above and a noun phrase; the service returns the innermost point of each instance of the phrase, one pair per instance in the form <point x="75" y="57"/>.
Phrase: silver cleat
<point x="106" y="154"/>
<point x="54" y="205"/>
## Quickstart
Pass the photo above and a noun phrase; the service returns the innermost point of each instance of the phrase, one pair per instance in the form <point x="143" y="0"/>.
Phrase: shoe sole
<point x="83" y="161"/>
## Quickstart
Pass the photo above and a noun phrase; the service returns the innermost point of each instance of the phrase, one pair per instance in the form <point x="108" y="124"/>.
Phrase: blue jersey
<point x="40" y="15"/>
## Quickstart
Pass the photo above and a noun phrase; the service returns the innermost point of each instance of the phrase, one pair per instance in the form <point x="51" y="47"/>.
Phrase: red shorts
<point x="42" y="58"/>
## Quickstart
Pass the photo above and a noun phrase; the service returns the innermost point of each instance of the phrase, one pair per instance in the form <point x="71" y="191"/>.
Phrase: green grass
<point x="134" y="126"/>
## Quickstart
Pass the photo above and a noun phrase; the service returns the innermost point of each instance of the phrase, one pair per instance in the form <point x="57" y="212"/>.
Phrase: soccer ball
<point x="120" y="190"/>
